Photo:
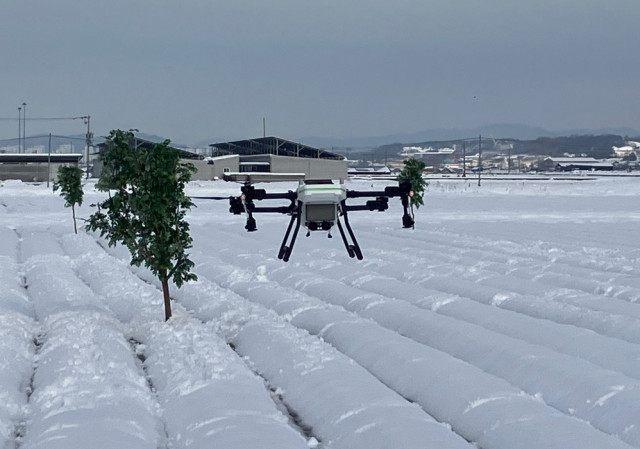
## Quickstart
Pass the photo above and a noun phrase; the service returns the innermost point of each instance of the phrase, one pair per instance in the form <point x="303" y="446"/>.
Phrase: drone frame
<point x="317" y="205"/>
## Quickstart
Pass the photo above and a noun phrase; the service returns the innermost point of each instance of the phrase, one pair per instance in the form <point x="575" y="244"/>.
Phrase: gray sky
<point x="193" y="70"/>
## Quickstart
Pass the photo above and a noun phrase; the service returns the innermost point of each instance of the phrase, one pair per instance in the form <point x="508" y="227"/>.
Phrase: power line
<point x="42" y="136"/>
<point x="43" y="118"/>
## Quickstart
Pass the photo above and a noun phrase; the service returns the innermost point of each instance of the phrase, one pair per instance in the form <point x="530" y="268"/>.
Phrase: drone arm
<point x="211" y="197"/>
<point x="389" y="192"/>
<point x="273" y="210"/>
<point x="380" y="204"/>
<point x="279" y="196"/>
<point x="403" y="190"/>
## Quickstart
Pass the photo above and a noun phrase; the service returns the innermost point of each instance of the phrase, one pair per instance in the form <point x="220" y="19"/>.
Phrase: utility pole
<point x="464" y="158"/>
<point x="19" y="129"/>
<point x="479" y="158"/>
<point x="87" y="120"/>
<point x="24" y="127"/>
<point x="49" y="162"/>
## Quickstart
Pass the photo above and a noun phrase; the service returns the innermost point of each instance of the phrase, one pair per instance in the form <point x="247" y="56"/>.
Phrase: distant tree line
<point x="598" y="146"/>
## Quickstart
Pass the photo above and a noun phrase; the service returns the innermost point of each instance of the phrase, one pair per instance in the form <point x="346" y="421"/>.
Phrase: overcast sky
<point x="192" y="70"/>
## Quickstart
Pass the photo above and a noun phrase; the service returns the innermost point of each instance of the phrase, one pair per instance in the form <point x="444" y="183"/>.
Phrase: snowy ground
<point x="507" y="319"/>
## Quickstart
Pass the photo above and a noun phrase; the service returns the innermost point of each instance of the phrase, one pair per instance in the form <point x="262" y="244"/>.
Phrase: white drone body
<point x="320" y="204"/>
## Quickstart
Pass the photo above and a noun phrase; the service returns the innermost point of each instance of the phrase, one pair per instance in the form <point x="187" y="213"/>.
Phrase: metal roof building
<point x="148" y="144"/>
<point x="276" y="155"/>
<point x="34" y="167"/>
<point x="579" y="163"/>
<point x="271" y="145"/>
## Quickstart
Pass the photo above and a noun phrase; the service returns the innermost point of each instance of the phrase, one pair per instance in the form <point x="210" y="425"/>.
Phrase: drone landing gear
<point x="350" y="242"/>
<point x="353" y="248"/>
<point x="285" y="250"/>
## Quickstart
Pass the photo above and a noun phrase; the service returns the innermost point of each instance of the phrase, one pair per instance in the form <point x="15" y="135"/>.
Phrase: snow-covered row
<point x="18" y="332"/>
<point x="420" y="364"/>
<point x="12" y="294"/>
<point x="87" y="388"/>
<point x="546" y="264"/>
<point x="348" y="408"/>
<point x="588" y="271"/>
<point x="613" y="325"/>
<point x="208" y="396"/>
<point x="482" y="273"/>
<point x="597" y="397"/>
<point x="341" y="403"/>
<point x="33" y="243"/>
<point x="608" y="400"/>
<point x="17" y="348"/>
<point x="483" y="408"/>
<point x="610" y="353"/>
<point x="9" y="241"/>
<point x="124" y="295"/>
<point x="530" y="273"/>
<point x="517" y="248"/>
<point x="54" y="288"/>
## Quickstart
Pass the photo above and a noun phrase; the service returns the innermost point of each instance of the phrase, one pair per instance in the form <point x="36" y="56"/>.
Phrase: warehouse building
<point x="261" y="155"/>
<point x="34" y="167"/>
<point x="276" y="155"/>
<point x="205" y="170"/>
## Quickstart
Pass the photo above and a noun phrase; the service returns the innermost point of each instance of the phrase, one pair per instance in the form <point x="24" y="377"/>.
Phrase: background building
<point x="34" y="167"/>
<point x="276" y="155"/>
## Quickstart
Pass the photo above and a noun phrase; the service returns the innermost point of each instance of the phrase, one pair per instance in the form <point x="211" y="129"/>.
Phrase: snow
<point x="508" y="318"/>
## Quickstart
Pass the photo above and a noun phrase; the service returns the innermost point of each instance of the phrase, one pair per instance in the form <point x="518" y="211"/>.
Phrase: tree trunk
<point x="73" y="211"/>
<point x="167" y="298"/>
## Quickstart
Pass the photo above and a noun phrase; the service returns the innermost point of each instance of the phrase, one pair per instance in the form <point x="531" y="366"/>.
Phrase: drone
<point x="316" y="205"/>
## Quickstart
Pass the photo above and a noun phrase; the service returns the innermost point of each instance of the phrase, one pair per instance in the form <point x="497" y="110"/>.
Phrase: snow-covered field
<point x="509" y="318"/>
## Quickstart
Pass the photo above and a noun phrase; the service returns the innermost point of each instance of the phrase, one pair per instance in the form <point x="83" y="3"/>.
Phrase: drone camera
<point x="319" y="216"/>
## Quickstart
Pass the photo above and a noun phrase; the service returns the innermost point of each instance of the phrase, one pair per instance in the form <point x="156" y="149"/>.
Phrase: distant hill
<point x="64" y="144"/>
<point x="598" y="146"/>
<point x="524" y="138"/>
<point x="497" y="131"/>
<point x="40" y="144"/>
